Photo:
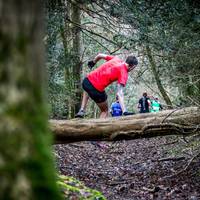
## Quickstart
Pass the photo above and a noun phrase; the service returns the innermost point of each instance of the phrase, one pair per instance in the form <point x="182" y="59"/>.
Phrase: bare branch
<point x="94" y="33"/>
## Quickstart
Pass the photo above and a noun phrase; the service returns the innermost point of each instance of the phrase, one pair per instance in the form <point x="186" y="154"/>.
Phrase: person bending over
<point x="115" y="109"/>
<point x="114" y="69"/>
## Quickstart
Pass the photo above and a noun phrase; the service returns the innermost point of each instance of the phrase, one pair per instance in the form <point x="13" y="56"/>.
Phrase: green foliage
<point x="74" y="189"/>
<point x="171" y="29"/>
<point x="57" y="91"/>
<point x="61" y="65"/>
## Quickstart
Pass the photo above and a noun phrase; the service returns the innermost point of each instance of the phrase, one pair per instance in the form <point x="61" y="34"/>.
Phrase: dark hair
<point x="131" y="60"/>
<point x="144" y="94"/>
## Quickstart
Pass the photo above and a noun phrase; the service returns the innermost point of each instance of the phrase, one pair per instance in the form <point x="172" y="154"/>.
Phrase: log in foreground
<point x="185" y="121"/>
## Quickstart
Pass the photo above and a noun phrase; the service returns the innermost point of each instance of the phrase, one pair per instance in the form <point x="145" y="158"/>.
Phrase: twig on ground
<point x="169" y="143"/>
<point x="184" y="140"/>
<point x="171" y="159"/>
<point x="76" y="145"/>
<point x="185" y="168"/>
<point x="119" y="182"/>
<point x="151" y="190"/>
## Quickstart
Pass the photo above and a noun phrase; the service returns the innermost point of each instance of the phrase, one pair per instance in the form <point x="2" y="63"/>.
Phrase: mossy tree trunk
<point x="26" y="164"/>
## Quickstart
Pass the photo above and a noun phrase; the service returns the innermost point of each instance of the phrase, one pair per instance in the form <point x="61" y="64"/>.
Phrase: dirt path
<point x="131" y="170"/>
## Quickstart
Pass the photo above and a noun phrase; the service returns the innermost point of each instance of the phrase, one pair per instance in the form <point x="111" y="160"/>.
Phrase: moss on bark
<point x="26" y="163"/>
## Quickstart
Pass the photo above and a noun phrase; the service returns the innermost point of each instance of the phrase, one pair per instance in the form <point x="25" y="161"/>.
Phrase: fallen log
<point x="185" y="121"/>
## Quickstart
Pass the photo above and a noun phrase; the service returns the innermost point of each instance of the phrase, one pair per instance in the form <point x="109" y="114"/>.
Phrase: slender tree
<point x="76" y="49"/>
<point x="157" y="78"/>
<point x="70" y="33"/>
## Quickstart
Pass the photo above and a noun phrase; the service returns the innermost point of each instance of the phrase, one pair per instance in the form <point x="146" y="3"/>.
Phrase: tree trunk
<point x="157" y="78"/>
<point x="76" y="49"/>
<point x="70" y="33"/>
<point x="170" y="122"/>
<point x="25" y="158"/>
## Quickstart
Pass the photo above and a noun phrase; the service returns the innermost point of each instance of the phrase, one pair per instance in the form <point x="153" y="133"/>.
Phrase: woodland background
<point x="163" y="35"/>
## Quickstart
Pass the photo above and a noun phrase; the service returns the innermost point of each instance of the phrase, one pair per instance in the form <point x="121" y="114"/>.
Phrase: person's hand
<point x="91" y="64"/>
<point x="128" y="113"/>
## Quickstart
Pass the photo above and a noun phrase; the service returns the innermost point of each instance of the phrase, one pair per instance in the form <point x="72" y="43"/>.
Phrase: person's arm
<point x="120" y="94"/>
<point x="100" y="56"/>
<point x="92" y="63"/>
<point x="111" y="109"/>
<point x="149" y="103"/>
<point x="139" y="103"/>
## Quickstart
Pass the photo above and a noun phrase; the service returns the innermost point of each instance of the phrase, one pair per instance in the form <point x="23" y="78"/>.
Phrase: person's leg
<point x="104" y="113"/>
<point x="81" y="112"/>
<point x="104" y="109"/>
<point x="84" y="100"/>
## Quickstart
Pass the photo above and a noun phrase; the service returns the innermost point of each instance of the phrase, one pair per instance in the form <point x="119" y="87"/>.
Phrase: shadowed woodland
<point x="44" y="51"/>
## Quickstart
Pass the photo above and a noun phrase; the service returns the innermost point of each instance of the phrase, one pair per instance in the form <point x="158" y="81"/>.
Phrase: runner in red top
<point x="113" y="70"/>
<point x="95" y="83"/>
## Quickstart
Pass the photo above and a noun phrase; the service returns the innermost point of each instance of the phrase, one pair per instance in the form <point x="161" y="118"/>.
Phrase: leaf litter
<point x="136" y="169"/>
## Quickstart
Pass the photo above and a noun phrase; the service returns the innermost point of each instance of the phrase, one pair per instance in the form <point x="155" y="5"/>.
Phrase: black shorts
<point x="94" y="94"/>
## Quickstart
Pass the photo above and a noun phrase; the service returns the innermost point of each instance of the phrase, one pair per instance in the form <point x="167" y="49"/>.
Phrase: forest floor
<point x="158" y="168"/>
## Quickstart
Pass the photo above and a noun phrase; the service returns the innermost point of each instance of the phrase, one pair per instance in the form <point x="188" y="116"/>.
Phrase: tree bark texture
<point x="26" y="165"/>
<point x="76" y="49"/>
<point x="71" y="33"/>
<point x="170" y="122"/>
